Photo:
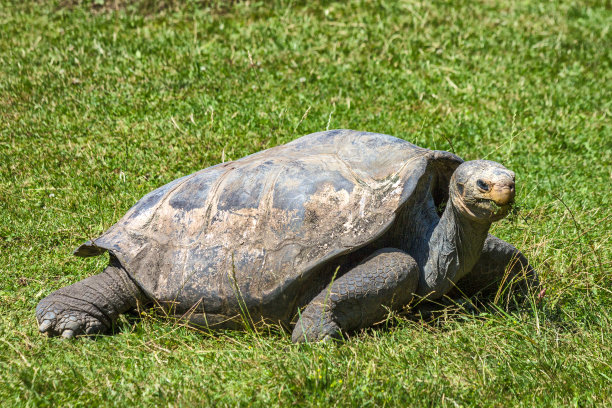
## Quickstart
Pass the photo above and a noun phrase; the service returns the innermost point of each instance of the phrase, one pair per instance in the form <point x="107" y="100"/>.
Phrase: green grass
<point x="101" y="104"/>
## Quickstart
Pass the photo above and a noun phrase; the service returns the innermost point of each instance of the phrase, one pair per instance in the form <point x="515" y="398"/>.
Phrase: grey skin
<point x="323" y="235"/>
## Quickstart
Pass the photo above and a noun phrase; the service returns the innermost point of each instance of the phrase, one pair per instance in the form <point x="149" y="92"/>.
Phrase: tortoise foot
<point x="59" y="315"/>
<point x="314" y="330"/>
<point x="90" y="306"/>
<point x="361" y="297"/>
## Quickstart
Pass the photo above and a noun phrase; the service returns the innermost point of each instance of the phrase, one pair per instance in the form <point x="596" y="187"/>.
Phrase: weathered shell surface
<point x="258" y="224"/>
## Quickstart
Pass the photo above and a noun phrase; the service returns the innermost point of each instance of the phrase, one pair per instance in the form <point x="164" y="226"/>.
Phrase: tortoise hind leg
<point x="361" y="297"/>
<point x="501" y="267"/>
<point x="90" y="306"/>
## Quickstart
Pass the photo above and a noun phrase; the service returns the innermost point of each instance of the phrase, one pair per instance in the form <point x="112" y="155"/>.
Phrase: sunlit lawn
<point x="101" y="104"/>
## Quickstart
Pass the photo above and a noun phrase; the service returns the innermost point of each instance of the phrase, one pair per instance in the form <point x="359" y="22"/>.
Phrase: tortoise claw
<point x="68" y="334"/>
<point x="45" y="325"/>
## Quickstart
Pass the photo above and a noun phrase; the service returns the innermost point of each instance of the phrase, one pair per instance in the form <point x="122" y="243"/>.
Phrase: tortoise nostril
<point x="505" y="183"/>
<point x="503" y="193"/>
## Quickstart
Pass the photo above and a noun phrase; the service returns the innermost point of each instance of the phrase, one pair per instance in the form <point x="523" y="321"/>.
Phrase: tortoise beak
<point x="502" y="193"/>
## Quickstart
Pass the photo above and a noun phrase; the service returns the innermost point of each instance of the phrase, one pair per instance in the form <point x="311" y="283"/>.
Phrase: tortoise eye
<point x="482" y="185"/>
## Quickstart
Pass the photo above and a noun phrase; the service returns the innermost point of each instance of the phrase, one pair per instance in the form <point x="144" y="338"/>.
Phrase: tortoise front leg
<point x="501" y="265"/>
<point x="90" y="306"/>
<point x="361" y="297"/>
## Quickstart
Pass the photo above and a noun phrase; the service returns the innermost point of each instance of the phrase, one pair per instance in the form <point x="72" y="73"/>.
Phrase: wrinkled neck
<point x="454" y="248"/>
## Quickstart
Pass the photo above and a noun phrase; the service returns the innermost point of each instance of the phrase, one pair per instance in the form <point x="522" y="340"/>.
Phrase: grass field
<point x="102" y="101"/>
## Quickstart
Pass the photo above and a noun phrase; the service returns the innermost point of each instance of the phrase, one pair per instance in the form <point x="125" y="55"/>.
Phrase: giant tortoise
<point x="322" y="235"/>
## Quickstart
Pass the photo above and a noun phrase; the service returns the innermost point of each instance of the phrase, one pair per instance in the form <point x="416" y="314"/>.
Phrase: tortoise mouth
<point x="483" y="209"/>
<point x="500" y="211"/>
<point x="491" y="209"/>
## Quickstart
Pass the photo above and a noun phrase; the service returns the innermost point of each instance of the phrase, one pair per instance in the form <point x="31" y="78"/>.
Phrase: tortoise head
<point x="483" y="190"/>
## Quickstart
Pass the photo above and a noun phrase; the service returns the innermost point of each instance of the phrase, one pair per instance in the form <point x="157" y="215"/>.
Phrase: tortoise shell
<point x="253" y="232"/>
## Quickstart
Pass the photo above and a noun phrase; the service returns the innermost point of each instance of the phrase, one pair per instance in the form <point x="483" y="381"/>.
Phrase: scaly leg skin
<point x="361" y="297"/>
<point x="90" y="306"/>
<point x="500" y="264"/>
